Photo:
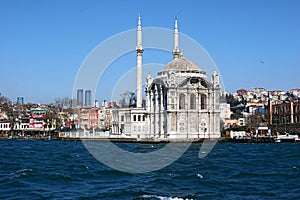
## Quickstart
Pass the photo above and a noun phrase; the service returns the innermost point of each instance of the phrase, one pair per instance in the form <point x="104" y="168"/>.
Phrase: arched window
<point x="181" y="101"/>
<point x="203" y="101"/>
<point x="192" y="101"/>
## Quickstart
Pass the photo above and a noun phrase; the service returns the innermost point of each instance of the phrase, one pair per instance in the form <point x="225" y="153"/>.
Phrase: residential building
<point x="84" y="117"/>
<point x="105" y="118"/>
<point x="93" y="118"/>
<point x="225" y="111"/>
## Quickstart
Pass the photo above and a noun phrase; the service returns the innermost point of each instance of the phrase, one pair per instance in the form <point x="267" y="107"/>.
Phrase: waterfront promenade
<point x="127" y="138"/>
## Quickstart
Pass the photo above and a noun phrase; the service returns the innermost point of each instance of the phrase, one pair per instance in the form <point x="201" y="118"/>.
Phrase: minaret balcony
<point x="139" y="49"/>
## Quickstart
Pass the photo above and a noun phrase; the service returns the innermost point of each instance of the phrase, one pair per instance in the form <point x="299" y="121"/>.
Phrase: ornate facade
<point x="180" y="102"/>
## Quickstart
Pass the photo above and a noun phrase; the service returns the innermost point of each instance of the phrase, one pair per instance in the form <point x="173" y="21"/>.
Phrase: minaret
<point x="176" y="50"/>
<point x="139" y="63"/>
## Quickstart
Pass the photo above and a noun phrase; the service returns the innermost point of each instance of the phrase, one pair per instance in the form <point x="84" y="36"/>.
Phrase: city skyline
<point x="254" y="44"/>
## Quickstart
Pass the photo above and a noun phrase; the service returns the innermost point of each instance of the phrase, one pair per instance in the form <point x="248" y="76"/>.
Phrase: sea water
<point x="66" y="170"/>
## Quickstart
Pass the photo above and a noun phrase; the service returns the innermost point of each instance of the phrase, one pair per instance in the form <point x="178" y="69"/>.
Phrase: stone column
<point x="157" y="111"/>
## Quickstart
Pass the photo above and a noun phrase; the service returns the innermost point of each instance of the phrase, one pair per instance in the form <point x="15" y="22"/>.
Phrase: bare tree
<point x="127" y="99"/>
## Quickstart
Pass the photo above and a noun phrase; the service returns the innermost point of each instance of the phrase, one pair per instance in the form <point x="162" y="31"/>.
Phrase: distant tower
<point x="88" y="98"/>
<point x="139" y="63"/>
<point x="20" y="100"/>
<point x="80" y="97"/>
<point x="96" y="104"/>
<point x="176" y="50"/>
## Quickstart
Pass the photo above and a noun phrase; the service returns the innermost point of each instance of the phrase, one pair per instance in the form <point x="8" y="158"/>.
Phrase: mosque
<point x="181" y="103"/>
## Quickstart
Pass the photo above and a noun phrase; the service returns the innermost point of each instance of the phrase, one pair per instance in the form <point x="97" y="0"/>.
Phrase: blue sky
<point x="43" y="43"/>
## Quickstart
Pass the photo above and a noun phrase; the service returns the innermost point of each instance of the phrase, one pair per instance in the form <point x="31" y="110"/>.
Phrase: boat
<point x="287" y="138"/>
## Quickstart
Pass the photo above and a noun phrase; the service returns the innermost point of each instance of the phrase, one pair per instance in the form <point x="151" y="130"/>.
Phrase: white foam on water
<point x="199" y="175"/>
<point x="164" y="198"/>
<point x="22" y="172"/>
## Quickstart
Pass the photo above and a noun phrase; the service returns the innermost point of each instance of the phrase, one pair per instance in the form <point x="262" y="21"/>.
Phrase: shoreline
<point x="146" y="140"/>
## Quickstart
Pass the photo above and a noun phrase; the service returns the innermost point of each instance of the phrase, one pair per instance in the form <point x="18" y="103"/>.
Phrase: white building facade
<point x="181" y="102"/>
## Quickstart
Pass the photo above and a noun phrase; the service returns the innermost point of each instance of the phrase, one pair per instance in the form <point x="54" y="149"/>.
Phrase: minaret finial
<point x="176" y="50"/>
<point x="139" y="20"/>
<point x="176" y="23"/>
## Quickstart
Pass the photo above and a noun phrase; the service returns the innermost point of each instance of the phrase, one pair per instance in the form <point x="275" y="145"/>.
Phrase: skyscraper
<point x="80" y="97"/>
<point x="88" y="98"/>
<point x="20" y="100"/>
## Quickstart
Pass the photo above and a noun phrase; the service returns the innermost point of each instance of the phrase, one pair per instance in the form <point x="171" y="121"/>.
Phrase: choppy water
<point x="66" y="170"/>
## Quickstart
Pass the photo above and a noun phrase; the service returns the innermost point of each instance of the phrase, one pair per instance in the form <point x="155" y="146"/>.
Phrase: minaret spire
<point x="139" y="63"/>
<point x="176" y="50"/>
<point x="139" y="20"/>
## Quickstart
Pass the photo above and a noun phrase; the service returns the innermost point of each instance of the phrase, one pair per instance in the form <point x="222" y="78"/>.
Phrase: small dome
<point x="181" y="64"/>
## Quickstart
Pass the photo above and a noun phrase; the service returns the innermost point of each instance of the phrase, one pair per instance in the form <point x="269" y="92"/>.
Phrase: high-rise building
<point x="20" y="100"/>
<point x="80" y="97"/>
<point x="88" y="98"/>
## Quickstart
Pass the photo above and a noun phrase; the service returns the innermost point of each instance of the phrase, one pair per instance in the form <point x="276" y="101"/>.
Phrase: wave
<point x="157" y="197"/>
<point x="199" y="175"/>
<point x="22" y="173"/>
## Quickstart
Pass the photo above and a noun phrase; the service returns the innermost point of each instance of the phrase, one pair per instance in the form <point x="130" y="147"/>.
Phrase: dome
<point x="181" y="64"/>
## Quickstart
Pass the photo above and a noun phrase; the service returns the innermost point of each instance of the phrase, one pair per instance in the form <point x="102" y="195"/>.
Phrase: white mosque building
<point x="181" y="103"/>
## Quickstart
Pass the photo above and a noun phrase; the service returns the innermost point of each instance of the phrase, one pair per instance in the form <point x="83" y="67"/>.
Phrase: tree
<point x="127" y="99"/>
<point x="238" y="114"/>
<point x="255" y="120"/>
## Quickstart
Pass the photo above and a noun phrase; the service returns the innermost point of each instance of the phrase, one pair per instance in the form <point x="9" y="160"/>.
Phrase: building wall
<point x="80" y="97"/>
<point x="5" y="126"/>
<point x="88" y="98"/>
<point x="286" y="113"/>
<point x="84" y="118"/>
<point x="178" y="108"/>
<point x="105" y="118"/>
<point x="93" y="118"/>
<point x="225" y="111"/>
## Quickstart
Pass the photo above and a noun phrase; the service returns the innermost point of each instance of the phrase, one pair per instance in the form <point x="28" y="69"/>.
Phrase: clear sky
<point x="254" y="43"/>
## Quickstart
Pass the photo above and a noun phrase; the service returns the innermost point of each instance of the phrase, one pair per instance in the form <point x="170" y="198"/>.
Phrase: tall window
<point x="203" y="101"/>
<point x="181" y="101"/>
<point x="192" y="101"/>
